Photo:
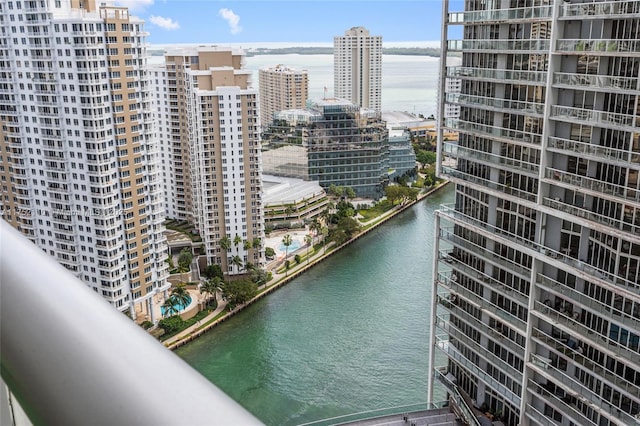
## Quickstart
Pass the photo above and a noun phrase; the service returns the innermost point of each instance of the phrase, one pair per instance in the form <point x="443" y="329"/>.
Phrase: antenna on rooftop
<point x="325" y="92"/>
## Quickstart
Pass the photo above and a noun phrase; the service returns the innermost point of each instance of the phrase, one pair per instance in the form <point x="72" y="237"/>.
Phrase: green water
<point x="350" y="335"/>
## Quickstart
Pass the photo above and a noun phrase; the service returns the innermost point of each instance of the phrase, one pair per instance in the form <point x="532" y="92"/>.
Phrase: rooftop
<point x="282" y="190"/>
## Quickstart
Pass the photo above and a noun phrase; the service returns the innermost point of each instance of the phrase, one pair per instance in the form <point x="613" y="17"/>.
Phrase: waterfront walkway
<point x="280" y="279"/>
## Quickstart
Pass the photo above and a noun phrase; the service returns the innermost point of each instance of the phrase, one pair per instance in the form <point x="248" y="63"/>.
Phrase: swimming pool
<point x="295" y="245"/>
<point x="180" y="307"/>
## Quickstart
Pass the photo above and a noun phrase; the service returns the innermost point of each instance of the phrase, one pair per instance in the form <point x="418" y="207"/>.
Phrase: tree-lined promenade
<point x="342" y="234"/>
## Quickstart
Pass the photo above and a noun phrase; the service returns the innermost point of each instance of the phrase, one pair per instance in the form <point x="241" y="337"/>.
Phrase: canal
<point x="350" y="335"/>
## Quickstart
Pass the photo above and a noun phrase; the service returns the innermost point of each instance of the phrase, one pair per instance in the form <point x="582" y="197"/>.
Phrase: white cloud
<point x="166" y="23"/>
<point x="135" y="5"/>
<point x="232" y="19"/>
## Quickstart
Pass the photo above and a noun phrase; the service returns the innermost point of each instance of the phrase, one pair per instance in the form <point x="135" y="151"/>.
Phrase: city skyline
<point x="172" y="21"/>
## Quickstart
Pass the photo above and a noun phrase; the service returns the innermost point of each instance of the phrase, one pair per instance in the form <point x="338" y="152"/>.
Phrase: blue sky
<point x="245" y="21"/>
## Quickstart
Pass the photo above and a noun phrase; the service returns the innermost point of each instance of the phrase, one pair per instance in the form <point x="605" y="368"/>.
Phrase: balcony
<point x="482" y="253"/>
<point x="573" y="327"/>
<point x="499" y="189"/>
<point x="539" y="46"/>
<point x="629" y="322"/>
<point x="538" y="251"/>
<point x="561" y="349"/>
<point x="598" y="187"/>
<point x="491" y="160"/>
<point x="485" y="280"/>
<point x="559" y="404"/>
<point x="445" y="346"/>
<point x="600" y="10"/>
<point x="589" y="117"/>
<point x="488" y="356"/>
<point x="496" y="104"/>
<point x="521" y="14"/>
<point x="501" y="134"/>
<point x="602" y="47"/>
<point x="594" y="152"/>
<point x="498" y="76"/>
<point x="492" y="310"/>
<point x="596" y="82"/>
<point x="618" y="227"/>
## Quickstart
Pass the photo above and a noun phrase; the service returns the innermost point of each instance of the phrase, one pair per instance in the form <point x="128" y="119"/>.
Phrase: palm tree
<point x="257" y="243"/>
<point x="315" y="226"/>
<point x="247" y="245"/>
<point x="286" y="241"/>
<point x="225" y="243"/>
<point x="237" y="261"/>
<point x="181" y="295"/>
<point x="170" y="306"/>
<point x="308" y="239"/>
<point x="237" y="240"/>
<point x="211" y="287"/>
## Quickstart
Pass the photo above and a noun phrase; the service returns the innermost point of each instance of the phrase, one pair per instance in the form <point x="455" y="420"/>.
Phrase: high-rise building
<point x="210" y="132"/>
<point x="357" y="68"/>
<point x="333" y="142"/>
<point x="79" y="158"/>
<point x="537" y="294"/>
<point x="281" y="88"/>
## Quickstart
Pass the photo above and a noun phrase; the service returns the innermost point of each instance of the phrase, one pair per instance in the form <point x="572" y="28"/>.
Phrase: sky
<point x="310" y="21"/>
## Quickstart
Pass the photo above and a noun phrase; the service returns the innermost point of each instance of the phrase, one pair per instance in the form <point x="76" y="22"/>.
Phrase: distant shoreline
<point x="413" y="51"/>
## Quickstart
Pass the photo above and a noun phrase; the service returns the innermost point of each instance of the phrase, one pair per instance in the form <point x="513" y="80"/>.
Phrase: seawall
<point x="300" y="269"/>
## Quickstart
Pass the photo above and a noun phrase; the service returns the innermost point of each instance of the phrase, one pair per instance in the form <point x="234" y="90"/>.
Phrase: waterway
<point x="350" y="335"/>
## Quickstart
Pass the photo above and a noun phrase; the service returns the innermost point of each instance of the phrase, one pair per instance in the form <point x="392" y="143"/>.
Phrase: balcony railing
<point x="102" y="369"/>
<point x="607" y="189"/>
<point x="600" y="46"/>
<point x="444" y="345"/>
<point x="594" y="118"/>
<point x="596" y="152"/>
<point x="457" y="397"/>
<point x="500" y="133"/>
<point x="520" y="14"/>
<point x="595" y="82"/>
<point x="600" y="10"/>
<point x="521" y="46"/>
<point x="521" y="76"/>
<point x="457" y="151"/>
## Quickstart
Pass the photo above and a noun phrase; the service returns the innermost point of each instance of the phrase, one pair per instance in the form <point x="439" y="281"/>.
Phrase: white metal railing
<point x="71" y="358"/>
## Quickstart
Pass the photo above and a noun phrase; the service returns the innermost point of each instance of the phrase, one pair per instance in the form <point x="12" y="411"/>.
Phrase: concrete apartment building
<point x="536" y="302"/>
<point x="357" y="68"/>
<point x="281" y="88"/>
<point x="211" y="144"/>
<point x="78" y="154"/>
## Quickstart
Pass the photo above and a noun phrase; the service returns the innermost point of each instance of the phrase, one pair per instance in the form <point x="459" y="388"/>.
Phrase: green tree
<point x="286" y="241"/>
<point x="212" y="271"/>
<point x="237" y="240"/>
<point x="211" y="288"/>
<point x="256" y="243"/>
<point x="260" y="276"/>
<point x="315" y="226"/>
<point x="425" y="157"/>
<point x="181" y="295"/>
<point x="297" y="259"/>
<point x="349" y="192"/>
<point x="247" y="245"/>
<point x="237" y="262"/>
<point x="237" y="292"/>
<point x="225" y="243"/>
<point x="393" y="193"/>
<point x="184" y="259"/>
<point x="269" y="252"/>
<point x="308" y="239"/>
<point x="170" y="306"/>
<point x="349" y="225"/>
